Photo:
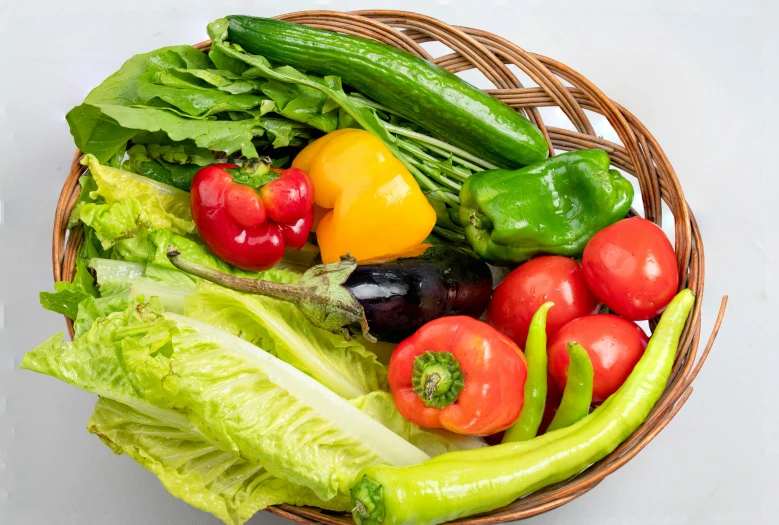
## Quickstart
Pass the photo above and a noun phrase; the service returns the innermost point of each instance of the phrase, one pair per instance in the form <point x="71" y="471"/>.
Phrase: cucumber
<point x="420" y="91"/>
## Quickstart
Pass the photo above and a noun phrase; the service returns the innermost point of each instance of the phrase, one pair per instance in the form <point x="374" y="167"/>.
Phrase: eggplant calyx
<point x="328" y="303"/>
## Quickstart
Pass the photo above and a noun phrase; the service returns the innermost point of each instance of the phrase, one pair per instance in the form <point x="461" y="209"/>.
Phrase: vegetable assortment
<point x="289" y="243"/>
<point x="448" y="487"/>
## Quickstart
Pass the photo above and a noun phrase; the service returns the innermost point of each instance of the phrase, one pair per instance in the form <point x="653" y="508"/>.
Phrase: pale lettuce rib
<point x="345" y="367"/>
<point x="348" y="421"/>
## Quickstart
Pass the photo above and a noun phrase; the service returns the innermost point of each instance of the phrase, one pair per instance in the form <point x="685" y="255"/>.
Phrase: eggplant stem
<point x="333" y="308"/>
<point x="286" y="292"/>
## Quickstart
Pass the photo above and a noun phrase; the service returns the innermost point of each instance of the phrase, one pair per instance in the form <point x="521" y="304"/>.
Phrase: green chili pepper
<point x="463" y="483"/>
<point x="554" y="206"/>
<point x="577" y="396"/>
<point x="526" y="426"/>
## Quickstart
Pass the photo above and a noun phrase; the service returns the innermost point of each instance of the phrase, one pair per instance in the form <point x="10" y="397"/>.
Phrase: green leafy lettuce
<point x="194" y="468"/>
<point x="278" y="327"/>
<point x="65" y="298"/>
<point x="241" y="398"/>
<point x="157" y="205"/>
<point x="175" y="165"/>
<point x="115" y="277"/>
<point x="176" y="94"/>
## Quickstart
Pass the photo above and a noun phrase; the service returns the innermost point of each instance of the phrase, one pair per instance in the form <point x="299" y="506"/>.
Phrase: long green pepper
<point x="463" y="483"/>
<point x="526" y="426"/>
<point x="577" y="396"/>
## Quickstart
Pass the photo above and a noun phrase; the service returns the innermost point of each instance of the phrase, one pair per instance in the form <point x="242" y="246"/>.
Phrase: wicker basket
<point x="639" y="155"/>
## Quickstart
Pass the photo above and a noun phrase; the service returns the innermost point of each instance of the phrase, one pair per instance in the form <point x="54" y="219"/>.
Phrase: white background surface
<point x="703" y="77"/>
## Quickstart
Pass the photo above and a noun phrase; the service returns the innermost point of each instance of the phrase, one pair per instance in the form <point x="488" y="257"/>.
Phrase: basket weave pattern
<point x="639" y="155"/>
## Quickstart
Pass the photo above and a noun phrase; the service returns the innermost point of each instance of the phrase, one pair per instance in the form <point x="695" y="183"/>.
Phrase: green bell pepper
<point x="552" y="207"/>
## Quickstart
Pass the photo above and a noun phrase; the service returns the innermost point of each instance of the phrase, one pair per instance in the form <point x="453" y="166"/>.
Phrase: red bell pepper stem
<point x="437" y="378"/>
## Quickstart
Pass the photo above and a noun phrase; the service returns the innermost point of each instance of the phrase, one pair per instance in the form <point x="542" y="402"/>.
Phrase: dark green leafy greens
<point x="151" y="93"/>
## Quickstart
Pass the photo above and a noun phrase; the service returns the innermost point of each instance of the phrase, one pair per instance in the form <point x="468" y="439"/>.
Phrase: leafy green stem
<point x="363" y="115"/>
<point x="398" y="130"/>
<point x="448" y="234"/>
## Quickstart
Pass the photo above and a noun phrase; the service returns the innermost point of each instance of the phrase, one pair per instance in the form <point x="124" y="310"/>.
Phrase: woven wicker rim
<point x="639" y="155"/>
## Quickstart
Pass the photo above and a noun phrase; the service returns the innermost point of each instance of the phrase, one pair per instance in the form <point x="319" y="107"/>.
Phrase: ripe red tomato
<point x="631" y="267"/>
<point x="551" y="278"/>
<point x="613" y="343"/>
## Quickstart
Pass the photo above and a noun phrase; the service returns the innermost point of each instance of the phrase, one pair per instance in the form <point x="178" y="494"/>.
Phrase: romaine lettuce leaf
<point x="268" y="411"/>
<point x="87" y="184"/>
<point x="172" y="296"/>
<point x="345" y="367"/>
<point x="134" y="249"/>
<point x="64" y="299"/>
<point x="162" y="206"/>
<point x="240" y="397"/>
<point x="193" y="468"/>
<point x="114" y="276"/>
<point x="112" y="222"/>
<point x="68" y="295"/>
<point x="91" y="309"/>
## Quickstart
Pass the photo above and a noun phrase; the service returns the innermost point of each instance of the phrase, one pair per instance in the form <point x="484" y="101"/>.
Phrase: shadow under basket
<point x="558" y="86"/>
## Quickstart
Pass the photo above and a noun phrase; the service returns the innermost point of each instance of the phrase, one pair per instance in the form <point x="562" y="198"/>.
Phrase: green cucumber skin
<point x="422" y="92"/>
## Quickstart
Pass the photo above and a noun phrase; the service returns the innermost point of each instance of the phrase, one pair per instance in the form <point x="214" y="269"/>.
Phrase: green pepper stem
<point x="437" y="378"/>
<point x="368" y="502"/>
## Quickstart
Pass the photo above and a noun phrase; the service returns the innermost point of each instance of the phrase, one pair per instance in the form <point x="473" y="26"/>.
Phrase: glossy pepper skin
<point x="459" y="374"/>
<point x="238" y="223"/>
<point x="377" y="208"/>
<point x="577" y="396"/>
<point x="462" y="483"/>
<point x="526" y="425"/>
<point x="551" y="207"/>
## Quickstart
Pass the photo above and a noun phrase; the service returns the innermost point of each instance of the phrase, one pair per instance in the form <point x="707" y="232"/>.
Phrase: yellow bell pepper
<point x="375" y="206"/>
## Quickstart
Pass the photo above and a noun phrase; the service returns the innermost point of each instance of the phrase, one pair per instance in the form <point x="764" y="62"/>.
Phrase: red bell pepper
<point x="248" y="216"/>
<point x="459" y="374"/>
